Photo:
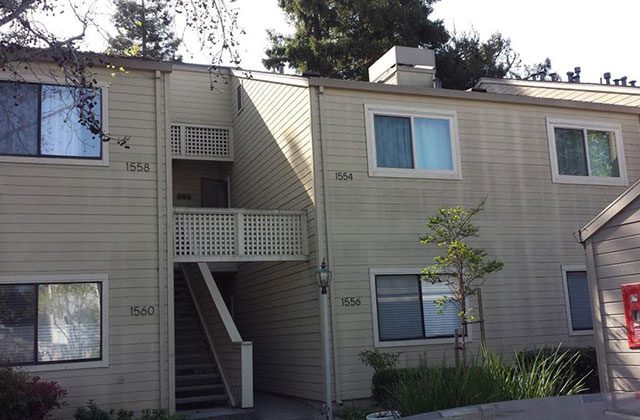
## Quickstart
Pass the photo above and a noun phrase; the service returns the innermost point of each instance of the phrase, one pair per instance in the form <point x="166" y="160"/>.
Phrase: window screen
<point x="583" y="152"/>
<point x="407" y="309"/>
<point x="53" y="322"/>
<point x="413" y="143"/>
<point x="579" y="300"/>
<point x="43" y="120"/>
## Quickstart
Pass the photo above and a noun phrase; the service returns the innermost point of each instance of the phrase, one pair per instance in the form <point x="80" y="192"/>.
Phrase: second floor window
<point x="41" y="120"/>
<point x="412" y="144"/>
<point x="586" y="153"/>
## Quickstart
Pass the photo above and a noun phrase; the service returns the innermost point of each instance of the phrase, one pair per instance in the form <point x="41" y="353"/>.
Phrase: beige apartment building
<point x="181" y="272"/>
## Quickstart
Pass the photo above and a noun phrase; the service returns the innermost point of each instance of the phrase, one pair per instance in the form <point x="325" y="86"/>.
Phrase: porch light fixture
<point x="323" y="277"/>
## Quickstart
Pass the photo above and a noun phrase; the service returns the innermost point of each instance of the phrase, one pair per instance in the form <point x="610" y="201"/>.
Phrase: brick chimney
<point x="405" y="66"/>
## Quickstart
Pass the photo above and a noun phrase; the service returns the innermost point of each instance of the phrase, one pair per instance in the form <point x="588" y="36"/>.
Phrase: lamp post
<point x="323" y="277"/>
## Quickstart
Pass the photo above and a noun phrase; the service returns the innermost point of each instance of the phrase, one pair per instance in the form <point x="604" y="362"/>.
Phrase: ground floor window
<point x="577" y="299"/>
<point x="47" y="320"/>
<point x="405" y="309"/>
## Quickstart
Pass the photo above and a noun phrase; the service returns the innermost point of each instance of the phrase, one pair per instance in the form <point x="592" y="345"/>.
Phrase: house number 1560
<point x="142" y="310"/>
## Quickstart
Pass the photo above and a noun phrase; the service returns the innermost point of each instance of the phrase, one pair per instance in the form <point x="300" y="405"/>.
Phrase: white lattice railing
<point x="206" y="234"/>
<point x="201" y="142"/>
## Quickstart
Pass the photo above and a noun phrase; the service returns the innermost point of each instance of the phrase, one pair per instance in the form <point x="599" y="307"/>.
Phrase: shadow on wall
<point x="276" y="303"/>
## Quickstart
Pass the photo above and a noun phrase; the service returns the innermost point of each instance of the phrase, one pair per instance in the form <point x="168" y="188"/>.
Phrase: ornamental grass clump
<point x="484" y="379"/>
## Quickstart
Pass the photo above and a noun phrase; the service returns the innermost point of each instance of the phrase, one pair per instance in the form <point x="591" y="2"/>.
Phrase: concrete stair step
<point x="202" y="398"/>
<point x="205" y="387"/>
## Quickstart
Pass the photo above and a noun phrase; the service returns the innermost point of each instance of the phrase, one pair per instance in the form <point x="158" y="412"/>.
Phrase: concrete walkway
<point x="278" y="407"/>
<point x="579" y="407"/>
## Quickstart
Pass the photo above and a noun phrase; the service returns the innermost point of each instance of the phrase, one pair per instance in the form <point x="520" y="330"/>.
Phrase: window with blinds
<point x="407" y="310"/>
<point x="578" y="300"/>
<point x="50" y="322"/>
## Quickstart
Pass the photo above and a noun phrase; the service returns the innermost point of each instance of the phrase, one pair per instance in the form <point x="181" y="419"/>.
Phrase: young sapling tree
<point x="461" y="267"/>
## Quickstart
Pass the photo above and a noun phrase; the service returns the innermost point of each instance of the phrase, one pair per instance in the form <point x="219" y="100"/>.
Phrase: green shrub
<point x="25" y="397"/>
<point x="378" y="360"/>
<point x="93" y="412"/>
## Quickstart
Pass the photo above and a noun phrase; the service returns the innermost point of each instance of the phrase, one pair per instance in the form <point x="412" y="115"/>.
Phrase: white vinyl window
<point x="577" y="299"/>
<point x="586" y="152"/>
<point x="405" y="312"/>
<point x="41" y="122"/>
<point x="412" y="143"/>
<point x="54" y="322"/>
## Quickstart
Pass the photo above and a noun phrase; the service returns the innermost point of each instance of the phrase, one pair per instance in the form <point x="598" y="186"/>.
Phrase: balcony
<point x="201" y="142"/>
<point x="220" y="234"/>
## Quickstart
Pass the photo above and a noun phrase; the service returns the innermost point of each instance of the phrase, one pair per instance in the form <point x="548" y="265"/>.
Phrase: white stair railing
<point x="233" y="355"/>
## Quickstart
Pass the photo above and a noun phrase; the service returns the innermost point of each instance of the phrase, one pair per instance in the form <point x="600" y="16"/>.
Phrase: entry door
<point x="215" y="193"/>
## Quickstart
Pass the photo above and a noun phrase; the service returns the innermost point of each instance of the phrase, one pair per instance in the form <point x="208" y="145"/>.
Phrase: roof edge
<point x="470" y="95"/>
<point x="613" y="209"/>
<point x="593" y="87"/>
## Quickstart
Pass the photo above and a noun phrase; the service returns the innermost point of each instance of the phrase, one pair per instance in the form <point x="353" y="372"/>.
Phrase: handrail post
<point x="240" y="233"/>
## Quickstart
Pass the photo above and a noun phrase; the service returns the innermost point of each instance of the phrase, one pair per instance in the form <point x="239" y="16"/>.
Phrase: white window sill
<point x="422" y="342"/>
<point x="413" y="173"/>
<point x="49" y="367"/>
<point x="590" y="180"/>
<point x="580" y="332"/>
<point x="55" y="161"/>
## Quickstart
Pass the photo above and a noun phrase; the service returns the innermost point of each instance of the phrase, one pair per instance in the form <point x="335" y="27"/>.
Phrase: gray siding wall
<point x="616" y="248"/>
<point x="276" y="304"/>
<point x="60" y="218"/>
<point x="528" y="221"/>
<point x="200" y="97"/>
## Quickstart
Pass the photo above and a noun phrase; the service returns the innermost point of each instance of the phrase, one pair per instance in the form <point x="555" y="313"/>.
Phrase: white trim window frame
<point x="373" y="272"/>
<point x="567" y="302"/>
<point x="39" y="279"/>
<point x="451" y="116"/>
<point x="585" y="126"/>
<point x="75" y="161"/>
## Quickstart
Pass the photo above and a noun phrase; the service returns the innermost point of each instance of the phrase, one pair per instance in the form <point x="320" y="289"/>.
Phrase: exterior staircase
<point x="199" y="385"/>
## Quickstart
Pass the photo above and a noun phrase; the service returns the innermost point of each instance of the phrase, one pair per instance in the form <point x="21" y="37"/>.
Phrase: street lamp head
<point x="323" y="276"/>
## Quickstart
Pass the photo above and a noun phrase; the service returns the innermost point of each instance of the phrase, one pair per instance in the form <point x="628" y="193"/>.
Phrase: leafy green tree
<point x="144" y="30"/>
<point x="342" y="38"/>
<point x="461" y="267"/>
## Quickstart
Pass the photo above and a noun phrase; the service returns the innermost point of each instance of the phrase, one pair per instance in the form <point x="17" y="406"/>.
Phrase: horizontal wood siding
<point x="201" y="98"/>
<point x="528" y="221"/>
<point x="276" y="304"/>
<point x="90" y="219"/>
<point x="617" y="262"/>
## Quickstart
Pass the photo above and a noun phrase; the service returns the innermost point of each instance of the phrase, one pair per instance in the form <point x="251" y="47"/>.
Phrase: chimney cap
<point x="422" y="58"/>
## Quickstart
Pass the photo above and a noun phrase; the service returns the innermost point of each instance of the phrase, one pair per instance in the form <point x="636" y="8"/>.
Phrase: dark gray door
<point x="215" y="193"/>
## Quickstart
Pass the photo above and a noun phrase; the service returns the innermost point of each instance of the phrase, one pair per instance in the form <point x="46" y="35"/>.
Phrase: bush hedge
<point x="26" y="397"/>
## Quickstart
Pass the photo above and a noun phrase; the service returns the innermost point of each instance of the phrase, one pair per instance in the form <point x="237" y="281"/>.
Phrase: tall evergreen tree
<point x="144" y="30"/>
<point x="342" y="38"/>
